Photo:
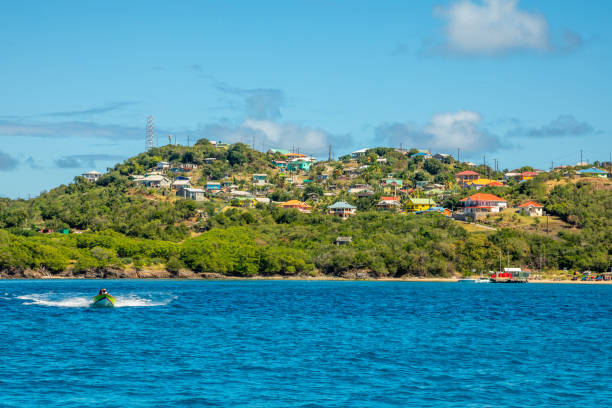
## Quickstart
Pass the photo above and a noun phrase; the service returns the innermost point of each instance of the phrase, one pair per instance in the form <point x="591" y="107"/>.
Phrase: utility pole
<point x="329" y="153"/>
<point x="581" y="157"/>
<point x="188" y="145"/>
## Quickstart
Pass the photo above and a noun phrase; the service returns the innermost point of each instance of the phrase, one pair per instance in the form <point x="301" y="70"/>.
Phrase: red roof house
<point x="466" y="176"/>
<point x="483" y="202"/>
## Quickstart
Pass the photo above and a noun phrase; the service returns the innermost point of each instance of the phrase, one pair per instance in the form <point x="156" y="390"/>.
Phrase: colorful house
<point x="466" y="176"/>
<point x="531" y="208"/>
<point x="213" y="186"/>
<point x="298" y="205"/>
<point x="298" y="164"/>
<point x="593" y="172"/>
<point x="483" y="202"/>
<point x="391" y="185"/>
<point x="342" y="209"/>
<point x="482" y="182"/>
<point x="419" y="204"/>
<point x="281" y="164"/>
<point x="528" y="175"/>
<point x="260" y="179"/>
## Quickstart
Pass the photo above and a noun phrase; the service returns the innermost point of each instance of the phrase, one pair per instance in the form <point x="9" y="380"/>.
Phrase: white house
<point x="196" y="194"/>
<point x="531" y="208"/>
<point x="156" y="181"/>
<point x="92" y="176"/>
<point x="179" y="184"/>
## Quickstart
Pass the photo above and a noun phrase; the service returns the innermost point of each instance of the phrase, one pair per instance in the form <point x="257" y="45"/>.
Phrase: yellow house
<point x="419" y="204"/>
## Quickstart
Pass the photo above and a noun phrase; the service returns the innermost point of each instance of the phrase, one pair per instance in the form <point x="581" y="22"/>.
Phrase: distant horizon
<point x="524" y="82"/>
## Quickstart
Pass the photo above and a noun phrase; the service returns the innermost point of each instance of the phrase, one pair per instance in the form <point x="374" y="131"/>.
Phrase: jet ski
<point x="103" y="299"/>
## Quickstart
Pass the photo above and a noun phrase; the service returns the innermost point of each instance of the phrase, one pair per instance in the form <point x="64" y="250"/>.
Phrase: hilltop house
<point x="298" y="205"/>
<point x="92" y="176"/>
<point x="482" y="182"/>
<point x="281" y="164"/>
<point x="465" y="177"/>
<point x="213" y="186"/>
<point x="359" y="153"/>
<point x="423" y="154"/>
<point x="391" y="185"/>
<point x="196" y="194"/>
<point x="342" y="209"/>
<point x="298" y="164"/>
<point x="443" y="157"/>
<point x="260" y="179"/>
<point x="162" y="165"/>
<point x="531" y="208"/>
<point x="389" y="203"/>
<point x="156" y="181"/>
<point x="527" y="175"/>
<point x="483" y="202"/>
<point x="593" y="172"/>
<point x="419" y="204"/>
<point x="181" y="183"/>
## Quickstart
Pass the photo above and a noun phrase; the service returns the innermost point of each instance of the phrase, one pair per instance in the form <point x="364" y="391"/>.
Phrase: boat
<point x="482" y="279"/>
<point x="466" y="280"/>
<point x="103" y="299"/>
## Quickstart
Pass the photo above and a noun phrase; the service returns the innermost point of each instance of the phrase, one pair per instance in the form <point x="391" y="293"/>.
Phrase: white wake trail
<point x="82" y="301"/>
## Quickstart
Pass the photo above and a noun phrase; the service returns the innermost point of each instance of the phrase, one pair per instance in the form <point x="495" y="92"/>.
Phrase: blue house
<point x="213" y="186"/>
<point x="593" y="172"/>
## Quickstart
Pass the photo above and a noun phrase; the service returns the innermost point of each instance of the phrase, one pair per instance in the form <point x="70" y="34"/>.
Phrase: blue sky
<point x="524" y="82"/>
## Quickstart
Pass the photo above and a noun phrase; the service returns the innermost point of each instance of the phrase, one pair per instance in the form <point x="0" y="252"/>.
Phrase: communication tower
<point x="149" y="134"/>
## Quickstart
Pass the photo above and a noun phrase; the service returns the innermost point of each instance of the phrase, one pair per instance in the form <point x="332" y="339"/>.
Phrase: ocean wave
<point x="82" y="301"/>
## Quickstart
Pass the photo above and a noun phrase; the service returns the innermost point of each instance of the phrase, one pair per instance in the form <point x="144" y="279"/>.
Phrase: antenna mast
<point x="149" y="134"/>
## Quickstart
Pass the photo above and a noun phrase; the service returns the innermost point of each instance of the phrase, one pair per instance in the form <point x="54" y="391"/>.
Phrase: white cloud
<point x="290" y="134"/>
<point x="492" y="27"/>
<point x="285" y="135"/>
<point x="444" y="133"/>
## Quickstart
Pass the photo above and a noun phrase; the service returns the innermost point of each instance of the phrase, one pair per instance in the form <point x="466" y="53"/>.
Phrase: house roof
<point x="181" y="182"/>
<point x="530" y="204"/>
<point x="484" y="197"/>
<point x="155" y="177"/>
<point x="295" y="203"/>
<point x="467" y="173"/>
<point x="592" y="170"/>
<point x="93" y="172"/>
<point x="529" y="173"/>
<point x="338" y="205"/>
<point x="495" y="183"/>
<point x="422" y="201"/>
<point x="383" y="198"/>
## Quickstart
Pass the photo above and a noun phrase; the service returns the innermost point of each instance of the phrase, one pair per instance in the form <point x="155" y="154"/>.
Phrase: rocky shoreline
<point x="184" y="274"/>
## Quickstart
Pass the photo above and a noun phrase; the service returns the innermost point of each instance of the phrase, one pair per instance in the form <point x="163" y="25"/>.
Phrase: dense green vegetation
<point x="116" y="226"/>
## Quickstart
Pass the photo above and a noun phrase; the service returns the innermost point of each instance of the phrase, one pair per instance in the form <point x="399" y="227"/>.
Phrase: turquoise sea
<point x="305" y="344"/>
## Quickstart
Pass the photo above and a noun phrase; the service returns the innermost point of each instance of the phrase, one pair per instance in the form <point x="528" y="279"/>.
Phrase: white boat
<point x="466" y="280"/>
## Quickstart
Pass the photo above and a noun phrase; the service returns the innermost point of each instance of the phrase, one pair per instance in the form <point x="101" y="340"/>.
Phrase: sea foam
<point x="56" y="300"/>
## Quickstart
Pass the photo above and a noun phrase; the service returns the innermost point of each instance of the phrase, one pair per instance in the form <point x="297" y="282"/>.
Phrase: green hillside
<point x="122" y="223"/>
